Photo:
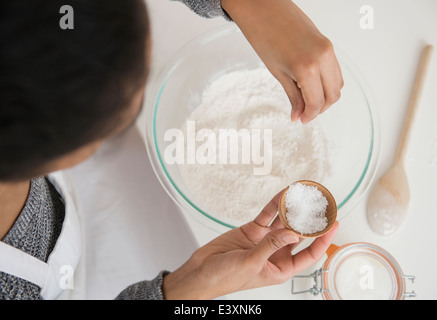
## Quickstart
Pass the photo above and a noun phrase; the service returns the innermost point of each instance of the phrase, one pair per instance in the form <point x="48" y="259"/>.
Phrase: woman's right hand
<point x="254" y="255"/>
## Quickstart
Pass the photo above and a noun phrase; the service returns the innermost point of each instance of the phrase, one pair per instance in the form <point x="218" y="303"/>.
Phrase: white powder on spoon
<point x="306" y="208"/>
<point x="252" y="99"/>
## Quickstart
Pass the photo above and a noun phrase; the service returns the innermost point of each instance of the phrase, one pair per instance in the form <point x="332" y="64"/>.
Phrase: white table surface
<point x="387" y="57"/>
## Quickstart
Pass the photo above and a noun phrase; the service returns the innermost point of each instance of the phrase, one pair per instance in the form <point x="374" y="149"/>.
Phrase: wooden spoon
<point x="388" y="202"/>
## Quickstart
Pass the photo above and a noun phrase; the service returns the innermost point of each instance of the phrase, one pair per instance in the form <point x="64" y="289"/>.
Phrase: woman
<point x="64" y="92"/>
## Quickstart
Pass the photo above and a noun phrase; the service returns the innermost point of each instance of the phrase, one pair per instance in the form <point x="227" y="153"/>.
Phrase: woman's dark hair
<point x="63" y="88"/>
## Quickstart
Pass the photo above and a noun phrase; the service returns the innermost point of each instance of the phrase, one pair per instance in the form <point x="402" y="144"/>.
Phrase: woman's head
<point x="64" y="91"/>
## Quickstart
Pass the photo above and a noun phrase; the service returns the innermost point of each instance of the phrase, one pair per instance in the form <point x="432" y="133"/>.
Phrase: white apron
<point x="129" y="225"/>
<point x="58" y="277"/>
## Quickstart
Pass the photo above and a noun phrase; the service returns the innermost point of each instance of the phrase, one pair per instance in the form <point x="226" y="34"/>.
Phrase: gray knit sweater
<point x="207" y="8"/>
<point x="35" y="232"/>
<point x="39" y="224"/>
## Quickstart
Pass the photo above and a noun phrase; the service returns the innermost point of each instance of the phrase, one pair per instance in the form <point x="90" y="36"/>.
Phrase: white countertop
<point x="387" y="57"/>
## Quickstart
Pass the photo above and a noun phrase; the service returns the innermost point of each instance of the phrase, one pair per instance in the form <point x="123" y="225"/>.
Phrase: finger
<point x="313" y="95"/>
<point x="294" y="245"/>
<point x="314" y="252"/>
<point x="332" y="81"/>
<point x="294" y="95"/>
<point x="283" y="259"/>
<point x="271" y="243"/>
<point x="269" y="212"/>
<point x="277" y="224"/>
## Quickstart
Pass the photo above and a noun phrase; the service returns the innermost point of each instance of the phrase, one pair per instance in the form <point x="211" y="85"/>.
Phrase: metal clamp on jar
<point x="358" y="271"/>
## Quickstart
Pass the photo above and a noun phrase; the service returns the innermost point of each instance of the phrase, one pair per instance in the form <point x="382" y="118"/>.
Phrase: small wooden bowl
<point x="331" y="210"/>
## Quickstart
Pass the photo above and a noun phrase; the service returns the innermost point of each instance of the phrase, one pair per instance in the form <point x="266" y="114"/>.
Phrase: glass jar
<point x="358" y="271"/>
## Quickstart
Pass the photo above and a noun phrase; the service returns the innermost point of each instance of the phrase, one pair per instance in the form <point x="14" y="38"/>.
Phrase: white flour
<point x="252" y="99"/>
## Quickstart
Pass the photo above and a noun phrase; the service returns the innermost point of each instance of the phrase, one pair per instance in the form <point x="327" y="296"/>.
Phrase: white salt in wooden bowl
<point x="331" y="210"/>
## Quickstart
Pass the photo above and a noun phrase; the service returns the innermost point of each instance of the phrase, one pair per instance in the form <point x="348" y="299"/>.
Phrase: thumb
<point x="272" y="242"/>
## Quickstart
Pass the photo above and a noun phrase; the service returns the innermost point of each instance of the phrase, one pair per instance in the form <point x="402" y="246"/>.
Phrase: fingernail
<point x="293" y="115"/>
<point x="290" y="237"/>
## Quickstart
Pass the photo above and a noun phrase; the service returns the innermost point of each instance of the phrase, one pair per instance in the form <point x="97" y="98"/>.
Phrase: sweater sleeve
<point x="152" y="290"/>
<point x="144" y="290"/>
<point x="207" y="8"/>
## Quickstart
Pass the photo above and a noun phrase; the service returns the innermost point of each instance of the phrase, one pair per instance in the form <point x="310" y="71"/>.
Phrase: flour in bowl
<point x="252" y="102"/>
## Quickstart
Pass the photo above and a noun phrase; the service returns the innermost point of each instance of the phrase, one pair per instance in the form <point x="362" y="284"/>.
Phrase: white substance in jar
<point x="252" y="100"/>
<point x="306" y="208"/>
<point x="362" y="277"/>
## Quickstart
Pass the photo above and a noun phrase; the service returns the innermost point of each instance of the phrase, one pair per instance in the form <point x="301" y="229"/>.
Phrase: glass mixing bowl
<point x="351" y="123"/>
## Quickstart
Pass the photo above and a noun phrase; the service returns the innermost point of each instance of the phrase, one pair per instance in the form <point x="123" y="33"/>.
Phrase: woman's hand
<point x="294" y="50"/>
<point x="254" y="255"/>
